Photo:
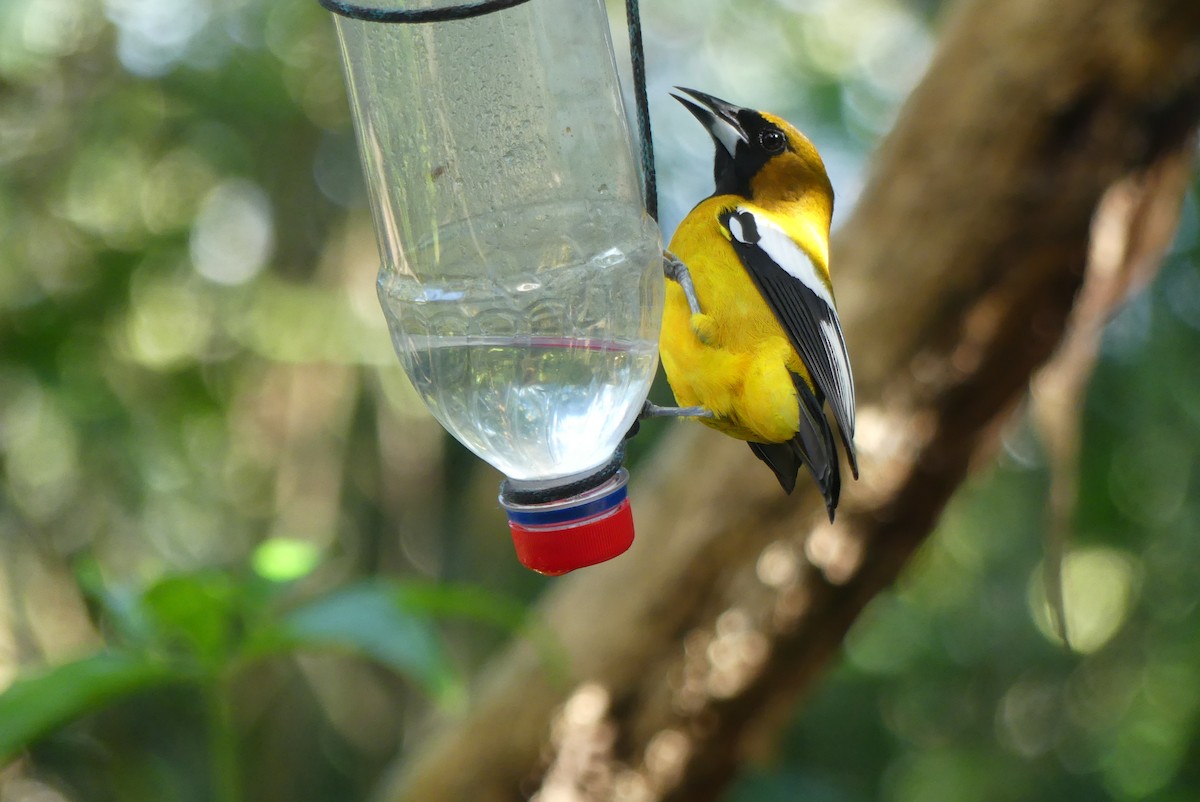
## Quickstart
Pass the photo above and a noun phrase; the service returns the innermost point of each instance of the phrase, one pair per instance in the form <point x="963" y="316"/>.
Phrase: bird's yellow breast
<point x="734" y="359"/>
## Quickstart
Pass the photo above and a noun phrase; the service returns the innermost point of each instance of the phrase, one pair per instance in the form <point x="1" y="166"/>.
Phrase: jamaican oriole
<point x="751" y="339"/>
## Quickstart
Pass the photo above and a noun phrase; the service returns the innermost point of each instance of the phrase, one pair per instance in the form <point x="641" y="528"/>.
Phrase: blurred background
<point x="195" y="376"/>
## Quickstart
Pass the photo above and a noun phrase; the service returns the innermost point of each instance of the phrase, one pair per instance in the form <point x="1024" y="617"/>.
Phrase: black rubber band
<point x="418" y="15"/>
<point x="559" y="492"/>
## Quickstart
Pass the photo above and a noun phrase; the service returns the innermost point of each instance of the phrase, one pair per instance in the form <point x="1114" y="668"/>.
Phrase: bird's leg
<point x="655" y="411"/>
<point x="677" y="271"/>
<point x="703" y="326"/>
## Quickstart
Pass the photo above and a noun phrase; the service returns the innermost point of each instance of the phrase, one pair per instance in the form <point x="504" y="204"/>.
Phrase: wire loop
<point x="637" y="58"/>
<point x="417" y="15"/>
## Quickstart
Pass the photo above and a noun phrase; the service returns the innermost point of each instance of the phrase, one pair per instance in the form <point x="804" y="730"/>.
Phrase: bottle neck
<point x="544" y="491"/>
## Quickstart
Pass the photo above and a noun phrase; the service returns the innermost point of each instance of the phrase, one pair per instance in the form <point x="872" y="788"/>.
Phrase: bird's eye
<point x="772" y="140"/>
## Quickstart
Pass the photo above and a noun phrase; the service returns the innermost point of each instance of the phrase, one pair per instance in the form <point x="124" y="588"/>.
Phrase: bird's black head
<point x="745" y="139"/>
<point x="759" y="155"/>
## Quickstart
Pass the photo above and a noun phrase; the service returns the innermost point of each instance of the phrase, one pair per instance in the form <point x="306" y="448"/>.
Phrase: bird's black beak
<point x="719" y="117"/>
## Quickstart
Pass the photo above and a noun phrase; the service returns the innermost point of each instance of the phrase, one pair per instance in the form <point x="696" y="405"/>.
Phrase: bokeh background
<point x="195" y="376"/>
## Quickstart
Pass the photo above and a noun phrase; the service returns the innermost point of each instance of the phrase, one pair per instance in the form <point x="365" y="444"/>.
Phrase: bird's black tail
<point x="813" y="446"/>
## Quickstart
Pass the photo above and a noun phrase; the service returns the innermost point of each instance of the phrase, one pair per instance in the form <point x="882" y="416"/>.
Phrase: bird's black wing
<point x="812" y="446"/>
<point x="803" y="304"/>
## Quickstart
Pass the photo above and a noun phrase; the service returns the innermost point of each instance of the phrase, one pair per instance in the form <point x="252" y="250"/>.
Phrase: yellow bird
<point x="751" y="342"/>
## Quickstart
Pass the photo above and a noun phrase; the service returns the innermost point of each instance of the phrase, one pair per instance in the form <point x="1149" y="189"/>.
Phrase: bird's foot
<point x="677" y="271"/>
<point x="655" y="411"/>
<point x="704" y="327"/>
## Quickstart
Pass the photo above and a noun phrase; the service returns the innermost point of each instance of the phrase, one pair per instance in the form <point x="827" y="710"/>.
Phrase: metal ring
<point x="415" y="15"/>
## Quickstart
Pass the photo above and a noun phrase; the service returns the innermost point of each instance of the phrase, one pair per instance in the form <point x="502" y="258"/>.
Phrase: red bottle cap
<point x="557" y="537"/>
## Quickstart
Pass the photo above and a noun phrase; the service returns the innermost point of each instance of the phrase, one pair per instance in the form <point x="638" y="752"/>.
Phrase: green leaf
<point x="483" y="606"/>
<point x="32" y="708"/>
<point x="200" y="612"/>
<point x="462" y="601"/>
<point x="121" y="614"/>
<point x="374" y="620"/>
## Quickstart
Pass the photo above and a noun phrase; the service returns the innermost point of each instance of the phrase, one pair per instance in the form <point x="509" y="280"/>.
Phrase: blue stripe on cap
<point x="531" y="516"/>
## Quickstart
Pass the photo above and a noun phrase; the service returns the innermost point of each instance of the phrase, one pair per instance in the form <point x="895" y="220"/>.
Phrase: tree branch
<point x="956" y="277"/>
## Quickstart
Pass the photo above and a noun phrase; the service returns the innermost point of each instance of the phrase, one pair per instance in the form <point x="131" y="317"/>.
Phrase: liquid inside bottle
<point x="534" y="407"/>
<point x="541" y="375"/>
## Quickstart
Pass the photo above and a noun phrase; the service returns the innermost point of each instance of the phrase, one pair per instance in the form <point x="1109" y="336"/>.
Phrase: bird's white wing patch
<point x="782" y="249"/>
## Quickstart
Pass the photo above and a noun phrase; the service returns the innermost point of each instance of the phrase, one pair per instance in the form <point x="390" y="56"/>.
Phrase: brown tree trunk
<point x="956" y="278"/>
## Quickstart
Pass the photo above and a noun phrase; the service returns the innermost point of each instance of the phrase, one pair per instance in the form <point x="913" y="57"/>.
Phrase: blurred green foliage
<point x="195" y="378"/>
<point x="201" y="631"/>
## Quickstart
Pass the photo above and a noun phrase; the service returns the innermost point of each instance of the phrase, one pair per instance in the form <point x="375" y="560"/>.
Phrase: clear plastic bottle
<point x="521" y="277"/>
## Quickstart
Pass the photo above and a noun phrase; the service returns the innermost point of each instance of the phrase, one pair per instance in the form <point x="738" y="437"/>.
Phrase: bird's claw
<point x="677" y="271"/>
